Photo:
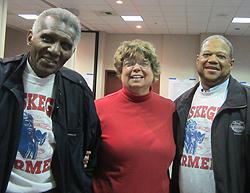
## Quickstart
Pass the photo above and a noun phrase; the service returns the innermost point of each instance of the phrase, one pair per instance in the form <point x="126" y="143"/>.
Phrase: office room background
<point x="176" y="52"/>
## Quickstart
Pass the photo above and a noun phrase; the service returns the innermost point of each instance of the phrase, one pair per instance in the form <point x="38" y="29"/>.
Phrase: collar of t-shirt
<point x="218" y="88"/>
<point x="29" y="73"/>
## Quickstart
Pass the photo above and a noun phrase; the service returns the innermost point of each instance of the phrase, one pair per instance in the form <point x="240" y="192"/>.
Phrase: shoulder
<point x="73" y="76"/>
<point x="183" y="96"/>
<point x="73" y="79"/>
<point x="16" y="60"/>
<point x="187" y="95"/>
<point x="235" y="87"/>
<point x="247" y="88"/>
<point x="162" y="101"/>
<point x="9" y="65"/>
<point x="108" y="99"/>
<point x="108" y="102"/>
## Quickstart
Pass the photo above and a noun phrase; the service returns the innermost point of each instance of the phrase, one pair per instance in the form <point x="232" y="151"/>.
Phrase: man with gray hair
<point x="212" y="131"/>
<point x="48" y="118"/>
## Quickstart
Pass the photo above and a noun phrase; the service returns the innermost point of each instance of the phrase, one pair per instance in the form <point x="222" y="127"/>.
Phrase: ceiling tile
<point x="160" y="16"/>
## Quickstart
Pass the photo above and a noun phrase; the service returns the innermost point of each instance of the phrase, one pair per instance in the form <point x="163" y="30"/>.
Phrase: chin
<point x="136" y="86"/>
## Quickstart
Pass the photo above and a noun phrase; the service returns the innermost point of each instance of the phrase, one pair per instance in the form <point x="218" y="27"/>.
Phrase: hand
<point x="86" y="159"/>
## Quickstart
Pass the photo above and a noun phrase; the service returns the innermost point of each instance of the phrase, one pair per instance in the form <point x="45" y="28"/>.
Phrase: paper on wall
<point x="89" y="77"/>
<point x="176" y="86"/>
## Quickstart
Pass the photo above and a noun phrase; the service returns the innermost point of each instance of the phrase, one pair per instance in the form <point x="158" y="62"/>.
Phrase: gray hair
<point x="62" y="15"/>
<point x="229" y="44"/>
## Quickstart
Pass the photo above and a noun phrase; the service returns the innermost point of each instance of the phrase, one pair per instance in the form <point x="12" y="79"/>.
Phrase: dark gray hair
<point x="222" y="38"/>
<point x="62" y="15"/>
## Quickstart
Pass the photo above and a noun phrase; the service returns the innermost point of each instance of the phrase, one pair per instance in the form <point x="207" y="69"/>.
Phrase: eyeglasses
<point x="132" y="62"/>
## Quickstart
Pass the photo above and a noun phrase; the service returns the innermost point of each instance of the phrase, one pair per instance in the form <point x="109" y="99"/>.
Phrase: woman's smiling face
<point x="137" y="75"/>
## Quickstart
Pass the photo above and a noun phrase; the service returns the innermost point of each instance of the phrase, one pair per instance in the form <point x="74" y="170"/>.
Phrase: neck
<point x="138" y="92"/>
<point x="208" y="85"/>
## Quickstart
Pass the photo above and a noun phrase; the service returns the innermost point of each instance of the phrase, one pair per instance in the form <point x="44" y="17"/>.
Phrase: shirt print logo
<point x="238" y="127"/>
<point x="30" y="138"/>
<point x="192" y="137"/>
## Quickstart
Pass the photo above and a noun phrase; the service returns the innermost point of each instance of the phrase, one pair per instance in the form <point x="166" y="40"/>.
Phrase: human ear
<point x="29" y="37"/>
<point x="231" y="62"/>
<point x="197" y="58"/>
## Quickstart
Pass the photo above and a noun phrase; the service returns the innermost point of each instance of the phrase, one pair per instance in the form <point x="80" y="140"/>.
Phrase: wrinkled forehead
<point x="53" y="23"/>
<point x="215" y="44"/>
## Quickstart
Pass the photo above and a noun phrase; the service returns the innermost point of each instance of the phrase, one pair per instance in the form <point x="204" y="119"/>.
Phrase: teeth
<point x="136" y="76"/>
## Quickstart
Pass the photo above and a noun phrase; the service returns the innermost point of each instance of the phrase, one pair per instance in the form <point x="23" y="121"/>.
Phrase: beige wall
<point x="101" y="66"/>
<point x="3" y="19"/>
<point x="15" y="42"/>
<point x="179" y="53"/>
<point x="241" y="67"/>
<point x="241" y="45"/>
<point x="85" y="53"/>
<point x="114" y="40"/>
<point x="176" y="53"/>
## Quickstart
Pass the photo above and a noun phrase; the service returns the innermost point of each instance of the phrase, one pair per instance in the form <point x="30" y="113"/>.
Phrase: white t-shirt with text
<point x="196" y="170"/>
<point x="31" y="172"/>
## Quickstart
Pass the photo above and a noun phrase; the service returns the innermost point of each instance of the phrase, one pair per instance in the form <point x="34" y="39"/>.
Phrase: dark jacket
<point x="75" y="126"/>
<point x="230" y="147"/>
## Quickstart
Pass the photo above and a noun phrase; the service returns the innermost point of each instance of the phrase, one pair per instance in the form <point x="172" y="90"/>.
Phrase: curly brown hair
<point x="133" y="48"/>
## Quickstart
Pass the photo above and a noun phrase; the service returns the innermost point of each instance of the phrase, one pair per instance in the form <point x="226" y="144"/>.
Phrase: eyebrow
<point x="217" y="52"/>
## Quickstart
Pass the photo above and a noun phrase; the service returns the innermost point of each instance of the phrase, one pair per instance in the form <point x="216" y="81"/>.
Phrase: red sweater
<point x="138" y="145"/>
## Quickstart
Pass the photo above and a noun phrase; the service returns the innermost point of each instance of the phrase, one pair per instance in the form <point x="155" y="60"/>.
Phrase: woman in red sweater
<point x="137" y="134"/>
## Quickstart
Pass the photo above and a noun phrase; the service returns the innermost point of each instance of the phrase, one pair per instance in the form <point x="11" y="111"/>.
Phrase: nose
<point x="213" y="59"/>
<point x="137" y="67"/>
<point x="54" y="49"/>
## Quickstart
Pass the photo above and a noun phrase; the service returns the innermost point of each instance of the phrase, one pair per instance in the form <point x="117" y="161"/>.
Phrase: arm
<point x="93" y="138"/>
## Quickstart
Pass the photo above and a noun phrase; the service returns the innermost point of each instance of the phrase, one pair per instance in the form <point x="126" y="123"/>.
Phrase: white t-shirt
<point x="31" y="172"/>
<point x="196" y="170"/>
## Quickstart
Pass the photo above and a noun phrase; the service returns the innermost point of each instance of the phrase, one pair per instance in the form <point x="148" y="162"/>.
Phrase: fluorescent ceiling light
<point x="241" y="20"/>
<point x="119" y="2"/>
<point x="28" y="16"/>
<point x="132" y="18"/>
